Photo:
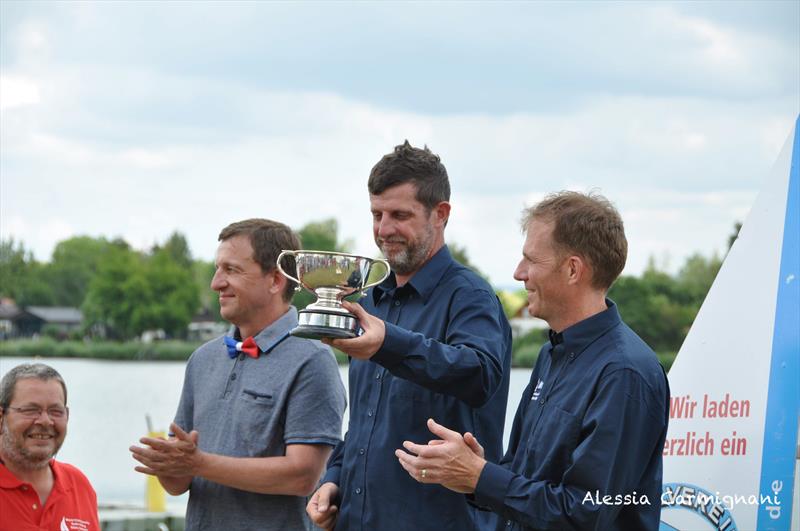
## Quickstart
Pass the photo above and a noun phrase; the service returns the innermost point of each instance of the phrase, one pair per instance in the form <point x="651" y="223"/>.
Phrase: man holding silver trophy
<point x="434" y="343"/>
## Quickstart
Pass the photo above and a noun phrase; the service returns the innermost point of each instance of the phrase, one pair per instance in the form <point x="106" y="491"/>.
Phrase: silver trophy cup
<point x="331" y="277"/>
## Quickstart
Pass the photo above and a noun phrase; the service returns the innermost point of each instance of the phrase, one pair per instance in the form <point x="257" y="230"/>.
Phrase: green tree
<point x="117" y="294"/>
<point x="177" y="248"/>
<point x="459" y="254"/>
<point x="73" y="265"/>
<point x="132" y="293"/>
<point x="171" y="293"/>
<point x="323" y="236"/>
<point x="22" y="278"/>
<point x="737" y="226"/>
<point x="652" y="306"/>
<point x="696" y="276"/>
<point x="209" y="300"/>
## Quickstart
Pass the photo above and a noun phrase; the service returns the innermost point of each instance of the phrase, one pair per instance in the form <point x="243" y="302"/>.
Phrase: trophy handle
<point x="388" y="270"/>
<point x="287" y="275"/>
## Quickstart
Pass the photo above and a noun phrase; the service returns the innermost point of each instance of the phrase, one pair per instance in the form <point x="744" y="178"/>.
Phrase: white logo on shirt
<point x="538" y="390"/>
<point x="74" y="524"/>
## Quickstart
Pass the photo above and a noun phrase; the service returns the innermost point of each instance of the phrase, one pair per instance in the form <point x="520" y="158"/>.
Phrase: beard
<point x="411" y="256"/>
<point x="13" y="447"/>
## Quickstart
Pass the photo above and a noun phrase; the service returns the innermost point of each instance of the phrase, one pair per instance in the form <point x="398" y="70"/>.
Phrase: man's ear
<point x="577" y="269"/>
<point x="441" y="213"/>
<point x="278" y="281"/>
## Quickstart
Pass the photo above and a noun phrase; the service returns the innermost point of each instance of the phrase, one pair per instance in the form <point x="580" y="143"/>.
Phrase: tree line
<point x="123" y="292"/>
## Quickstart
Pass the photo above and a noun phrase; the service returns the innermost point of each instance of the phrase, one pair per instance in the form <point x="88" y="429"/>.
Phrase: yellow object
<point x="155" y="495"/>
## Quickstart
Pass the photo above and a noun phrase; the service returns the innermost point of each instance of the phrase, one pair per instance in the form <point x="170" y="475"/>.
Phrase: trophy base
<point x="317" y="325"/>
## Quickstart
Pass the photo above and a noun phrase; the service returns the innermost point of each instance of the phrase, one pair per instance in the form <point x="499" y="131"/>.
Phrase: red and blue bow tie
<point x="248" y="346"/>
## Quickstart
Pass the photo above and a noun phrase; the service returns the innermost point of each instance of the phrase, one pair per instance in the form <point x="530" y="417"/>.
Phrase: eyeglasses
<point x="34" y="412"/>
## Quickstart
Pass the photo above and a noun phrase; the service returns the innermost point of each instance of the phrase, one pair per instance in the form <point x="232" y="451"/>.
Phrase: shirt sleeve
<point x="316" y="406"/>
<point x="617" y="440"/>
<point x="468" y="364"/>
<point x="184" y="416"/>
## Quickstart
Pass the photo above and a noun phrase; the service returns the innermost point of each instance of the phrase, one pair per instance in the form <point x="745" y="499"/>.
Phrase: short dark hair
<point x="409" y="164"/>
<point x="39" y="371"/>
<point x="587" y="225"/>
<point x="268" y="238"/>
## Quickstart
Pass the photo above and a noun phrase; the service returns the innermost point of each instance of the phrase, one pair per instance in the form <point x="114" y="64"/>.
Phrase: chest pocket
<point x="412" y="405"/>
<point x="551" y="444"/>
<point x="256" y="412"/>
<point x="407" y="390"/>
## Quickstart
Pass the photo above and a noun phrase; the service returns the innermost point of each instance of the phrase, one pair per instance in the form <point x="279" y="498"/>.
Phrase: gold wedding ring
<point x="423" y="473"/>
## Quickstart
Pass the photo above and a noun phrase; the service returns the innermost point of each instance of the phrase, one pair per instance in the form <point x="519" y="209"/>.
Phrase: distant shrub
<point x="106" y="350"/>
<point x="525" y="357"/>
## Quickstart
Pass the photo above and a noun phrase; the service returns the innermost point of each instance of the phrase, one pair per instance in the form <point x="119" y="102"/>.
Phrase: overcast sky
<point x="136" y="119"/>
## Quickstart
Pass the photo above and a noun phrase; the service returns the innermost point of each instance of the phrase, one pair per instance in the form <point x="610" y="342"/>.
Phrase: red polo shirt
<point x="71" y="506"/>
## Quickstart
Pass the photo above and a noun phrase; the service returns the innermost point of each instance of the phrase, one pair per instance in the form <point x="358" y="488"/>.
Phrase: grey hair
<point x="27" y="370"/>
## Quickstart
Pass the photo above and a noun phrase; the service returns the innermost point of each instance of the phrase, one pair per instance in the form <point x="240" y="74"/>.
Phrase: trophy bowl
<point x="331" y="277"/>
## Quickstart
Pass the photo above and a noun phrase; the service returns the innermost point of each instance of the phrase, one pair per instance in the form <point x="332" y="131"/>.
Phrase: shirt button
<point x="508" y="523"/>
<point x="361" y="451"/>
<point x="377" y="376"/>
<point x="369" y="413"/>
<point x="358" y="490"/>
<point x="35" y="506"/>
<point x="24" y="487"/>
<point x="397" y="303"/>
<point x="233" y="376"/>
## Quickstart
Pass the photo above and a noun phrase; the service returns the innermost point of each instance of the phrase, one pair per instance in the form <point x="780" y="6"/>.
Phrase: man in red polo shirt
<point x="36" y="491"/>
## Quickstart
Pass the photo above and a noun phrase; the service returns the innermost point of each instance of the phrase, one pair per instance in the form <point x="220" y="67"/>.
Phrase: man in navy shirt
<point x="435" y="344"/>
<point x="585" y="448"/>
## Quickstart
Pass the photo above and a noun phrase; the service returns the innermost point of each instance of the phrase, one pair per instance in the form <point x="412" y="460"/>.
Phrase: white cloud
<point x="16" y="91"/>
<point x="310" y="159"/>
<point x="138" y="149"/>
<point x="40" y="234"/>
<point x="145" y="158"/>
<point x="719" y="47"/>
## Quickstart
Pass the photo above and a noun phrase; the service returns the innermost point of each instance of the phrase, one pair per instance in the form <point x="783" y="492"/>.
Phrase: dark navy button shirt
<point x="446" y="356"/>
<point x="592" y="420"/>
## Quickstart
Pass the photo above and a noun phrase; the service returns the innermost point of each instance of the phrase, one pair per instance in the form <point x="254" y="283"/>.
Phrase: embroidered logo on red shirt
<point x="74" y="524"/>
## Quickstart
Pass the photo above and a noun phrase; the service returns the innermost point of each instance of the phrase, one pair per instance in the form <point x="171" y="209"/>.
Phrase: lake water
<point x="108" y="401"/>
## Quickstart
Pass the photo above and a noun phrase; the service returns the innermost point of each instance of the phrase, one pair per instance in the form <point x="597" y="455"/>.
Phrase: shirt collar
<point x="272" y="332"/>
<point x="556" y="338"/>
<point x="582" y="334"/>
<point x="423" y="281"/>
<point x="58" y="485"/>
<point x="9" y="481"/>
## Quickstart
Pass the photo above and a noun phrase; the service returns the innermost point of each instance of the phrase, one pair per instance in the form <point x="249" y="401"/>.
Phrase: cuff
<point x="330" y="441"/>
<point x="395" y="347"/>
<point x="492" y="486"/>
<point x="331" y="475"/>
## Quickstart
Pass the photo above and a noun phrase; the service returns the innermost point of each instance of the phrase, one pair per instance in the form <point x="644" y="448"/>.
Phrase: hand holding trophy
<point x="331" y="277"/>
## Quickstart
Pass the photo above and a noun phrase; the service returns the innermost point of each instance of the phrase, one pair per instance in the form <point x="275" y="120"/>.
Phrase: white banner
<point x="729" y="457"/>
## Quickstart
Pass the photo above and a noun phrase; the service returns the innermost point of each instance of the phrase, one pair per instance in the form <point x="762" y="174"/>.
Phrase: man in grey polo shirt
<point x="260" y="412"/>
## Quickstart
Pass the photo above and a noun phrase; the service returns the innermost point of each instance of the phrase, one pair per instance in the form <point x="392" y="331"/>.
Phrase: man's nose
<point x="386" y="227"/>
<point x="44" y="418"/>
<point x="520" y="273"/>
<point x="217" y="281"/>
